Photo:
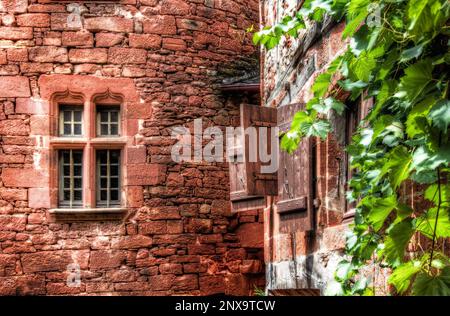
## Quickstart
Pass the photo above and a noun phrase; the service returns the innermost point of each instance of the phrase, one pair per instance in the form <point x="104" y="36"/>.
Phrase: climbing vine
<point x="398" y="55"/>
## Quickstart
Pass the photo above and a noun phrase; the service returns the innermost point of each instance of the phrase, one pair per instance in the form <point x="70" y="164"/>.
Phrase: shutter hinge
<point x="264" y="176"/>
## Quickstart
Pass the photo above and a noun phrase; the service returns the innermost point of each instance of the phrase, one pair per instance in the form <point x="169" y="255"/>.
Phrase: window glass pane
<point x="67" y="116"/>
<point x="66" y="157"/>
<point x="67" y="129"/>
<point x="108" y="177"/>
<point x="71" y="181"/>
<point x="77" y="129"/>
<point x="67" y="195"/>
<point x="77" y="183"/>
<point x="66" y="170"/>
<point x="109" y="119"/>
<point x="77" y="116"/>
<point x="77" y="195"/>
<point x="114" y="117"/>
<point x="67" y="183"/>
<point x="114" y="129"/>
<point x="102" y="156"/>
<point x="103" y="116"/>
<point x="104" y="129"/>
<point x="72" y="120"/>
<point x="114" y="156"/>
<point x="114" y="182"/>
<point x="77" y="171"/>
<point x="114" y="195"/>
<point x="114" y="170"/>
<point x="77" y="157"/>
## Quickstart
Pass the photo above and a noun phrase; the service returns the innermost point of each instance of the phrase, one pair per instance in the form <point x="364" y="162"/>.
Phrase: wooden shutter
<point x="248" y="186"/>
<point x="295" y="179"/>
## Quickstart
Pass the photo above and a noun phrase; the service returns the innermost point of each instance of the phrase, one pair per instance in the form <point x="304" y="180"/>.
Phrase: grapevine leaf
<point x="411" y="53"/>
<point x="402" y="275"/>
<point x="380" y="208"/>
<point x="397" y="240"/>
<point x="432" y="194"/>
<point x="427" y="221"/>
<point x="428" y="285"/>
<point x="416" y="123"/>
<point x="319" y="128"/>
<point x="349" y="85"/>
<point x="363" y="66"/>
<point x="343" y="270"/>
<point x="321" y="85"/>
<point x="415" y="80"/>
<point x="440" y="115"/>
<point x="398" y="166"/>
<point x="328" y="104"/>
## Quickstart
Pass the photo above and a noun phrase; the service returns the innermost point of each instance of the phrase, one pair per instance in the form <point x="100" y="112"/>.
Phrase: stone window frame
<point x="89" y="143"/>
<point x="138" y="170"/>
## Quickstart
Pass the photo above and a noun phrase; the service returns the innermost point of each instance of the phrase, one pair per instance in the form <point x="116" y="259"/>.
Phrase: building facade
<point x="91" y="201"/>
<point x="305" y="223"/>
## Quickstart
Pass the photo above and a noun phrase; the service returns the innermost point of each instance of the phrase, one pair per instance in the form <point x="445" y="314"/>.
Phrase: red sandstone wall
<point x="178" y="235"/>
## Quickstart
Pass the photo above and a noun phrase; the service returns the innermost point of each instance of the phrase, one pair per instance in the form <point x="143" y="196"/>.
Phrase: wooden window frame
<point x="360" y="109"/>
<point x="70" y="107"/>
<point x="71" y="203"/>
<point x="108" y="109"/>
<point x="109" y="203"/>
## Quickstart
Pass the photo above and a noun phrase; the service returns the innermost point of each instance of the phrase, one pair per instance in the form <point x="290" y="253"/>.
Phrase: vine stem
<point x="437" y="212"/>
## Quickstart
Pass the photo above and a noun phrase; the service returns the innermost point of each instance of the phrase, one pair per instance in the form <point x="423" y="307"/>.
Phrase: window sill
<point x="348" y="216"/>
<point x="87" y="214"/>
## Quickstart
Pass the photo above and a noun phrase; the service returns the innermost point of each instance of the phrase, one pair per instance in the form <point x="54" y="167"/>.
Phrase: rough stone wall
<point x="308" y="259"/>
<point x="178" y="235"/>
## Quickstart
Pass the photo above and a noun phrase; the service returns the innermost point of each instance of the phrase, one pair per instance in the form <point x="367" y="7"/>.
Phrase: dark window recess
<point x="248" y="185"/>
<point x="71" y="120"/>
<point x="355" y="112"/>
<point x="108" y="178"/>
<point x="108" y="120"/>
<point x="295" y="178"/>
<point x="71" y="178"/>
